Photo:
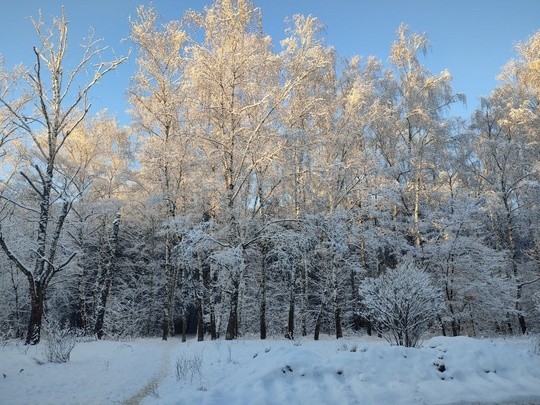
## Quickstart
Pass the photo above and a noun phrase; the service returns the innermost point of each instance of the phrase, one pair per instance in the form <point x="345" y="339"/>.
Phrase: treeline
<point x="260" y="184"/>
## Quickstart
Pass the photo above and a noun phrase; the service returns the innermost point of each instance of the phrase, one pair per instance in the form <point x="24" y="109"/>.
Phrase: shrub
<point x="402" y="303"/>
<point x="189" y="365"/>
<point x="59" y="342"/>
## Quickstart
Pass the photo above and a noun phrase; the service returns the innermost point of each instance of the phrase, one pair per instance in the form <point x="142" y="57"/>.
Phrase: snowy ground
<point x="358" y="370"/>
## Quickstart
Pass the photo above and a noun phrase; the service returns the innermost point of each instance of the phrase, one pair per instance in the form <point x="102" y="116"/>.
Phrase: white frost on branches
<point x="402" y="303"/>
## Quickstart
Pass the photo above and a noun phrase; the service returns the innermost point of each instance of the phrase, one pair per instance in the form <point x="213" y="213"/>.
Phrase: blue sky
<point x="473" y="39"/>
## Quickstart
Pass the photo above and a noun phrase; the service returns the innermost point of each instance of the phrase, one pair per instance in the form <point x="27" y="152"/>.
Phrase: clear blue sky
<point x="473" y="39"/>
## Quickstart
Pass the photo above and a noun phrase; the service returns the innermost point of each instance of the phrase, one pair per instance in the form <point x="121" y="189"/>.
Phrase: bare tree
<point x="59" y="105"/>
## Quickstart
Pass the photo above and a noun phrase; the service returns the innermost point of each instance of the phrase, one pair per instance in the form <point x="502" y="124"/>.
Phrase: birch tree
<point x="59" y="105"/>
<point x="157" y="99"/>
<point x="308" y="63"/>
<point x="413" y="124"/>
<point x="233" y="76"/>
<point x="506" y="161"/>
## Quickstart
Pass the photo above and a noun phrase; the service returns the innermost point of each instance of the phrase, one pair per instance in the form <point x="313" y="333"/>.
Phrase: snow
<point x="353" y="370"/>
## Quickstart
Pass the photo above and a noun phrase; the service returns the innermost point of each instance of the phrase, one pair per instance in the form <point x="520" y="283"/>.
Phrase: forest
<point x="262" y="189"/>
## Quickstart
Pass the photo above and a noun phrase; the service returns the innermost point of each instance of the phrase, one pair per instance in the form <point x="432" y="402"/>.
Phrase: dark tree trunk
<point x="318" y="321"/>
<point x="522" y="323"/>
<point x="100" y="315"/>
<point x="150" y="312"/>
<point x="213" y="326"/>
<point x="335" y="303"/>
<point x="290" y="321"/>
<point x="304" y="297"/>
<point x="37" y="302"/>
<point x="455" y="327"/>
<point x="184" y="325"/>
<point x="521" y="318"/>
<point x="213" y="323"/>
<point x="337" y="318"/>
<point x="262" y="317"/>
<point x="165" y="331"/>
<point x="83" y="315"/>
<point x="200" y="301"/>
<point x="200" y="323"/>
<point x="106" y="278"/>
<point x="443" y="328"/>
<point x="232" y="324"/>
<point x="513" y="252"/>
<point x="354" y="305"/>
<point x="168" y="290"/>
<point x="184" y="307"/>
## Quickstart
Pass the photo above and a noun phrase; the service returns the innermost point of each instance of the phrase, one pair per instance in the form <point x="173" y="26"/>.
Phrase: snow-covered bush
<point x="60" y="341"/>
<point x="402" y="303"/>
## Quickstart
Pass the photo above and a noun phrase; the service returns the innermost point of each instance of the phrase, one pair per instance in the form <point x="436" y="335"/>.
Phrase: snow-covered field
<point x="355" y="370"/>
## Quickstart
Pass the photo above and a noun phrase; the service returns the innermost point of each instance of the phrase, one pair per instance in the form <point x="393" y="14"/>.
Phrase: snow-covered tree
<point x="410" y="125"/>
<point x="60" y="102"/>
<point x="157" y="97"/>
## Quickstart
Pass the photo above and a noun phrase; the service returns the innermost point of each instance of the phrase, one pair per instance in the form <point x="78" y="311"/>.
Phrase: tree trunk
<point x="290" y="321"/>
<point x="37" y="302"/>
<point x="304" y="297"/>
<point x="369" y="327"/>
<point x="213" y="326"/>
<point x="168" y="290"/>
<point x="199" y="302"/>
<point x="455" y="327"/>
<point x="318" y="321"/>
<point x="521" y="317"/>
<point x="232" y="324"/>
<point x="200" y="320"/>
<point x="103" y="295"/>
<point x="183" y="306"/>
<point x="262" y="310"/>
<point x="150" y="317"/>
<point x="335" y="303"/>
<point x="417" y="239"/>
<point x="337" y="318"/>
<point x="184" y="325"/>
<point x="355" y="321"/>
<point x="83" y="315"/>
<point x="513" y="252"/>
<point x="106" y="278"/>
<point x="38" y="288"/>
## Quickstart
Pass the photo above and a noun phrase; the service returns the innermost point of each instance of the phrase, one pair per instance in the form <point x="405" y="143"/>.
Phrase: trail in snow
<point x="151" y="387"/>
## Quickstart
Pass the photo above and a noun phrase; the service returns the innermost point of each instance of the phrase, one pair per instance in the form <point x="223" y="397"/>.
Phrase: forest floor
<point x="352" y="370"/>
